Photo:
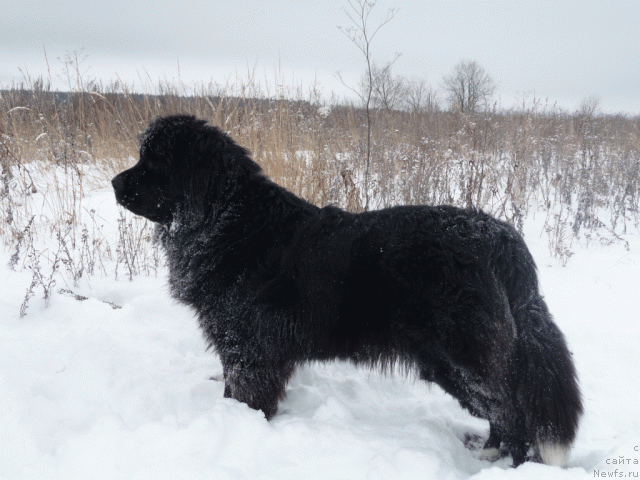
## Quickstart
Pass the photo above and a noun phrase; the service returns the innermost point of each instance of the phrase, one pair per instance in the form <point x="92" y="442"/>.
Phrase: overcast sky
<point x="561" y="51"/>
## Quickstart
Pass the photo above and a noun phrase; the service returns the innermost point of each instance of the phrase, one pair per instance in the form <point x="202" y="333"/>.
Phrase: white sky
<point x="561" y="50"/>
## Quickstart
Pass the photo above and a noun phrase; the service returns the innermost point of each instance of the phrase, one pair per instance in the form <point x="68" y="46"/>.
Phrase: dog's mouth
<point x="156" y="212"/>
<point x="118" y="187"/>
<point x="127" y="201"/>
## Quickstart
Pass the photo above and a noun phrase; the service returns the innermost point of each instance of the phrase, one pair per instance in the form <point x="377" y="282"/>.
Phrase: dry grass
<point x="582" y="169"/>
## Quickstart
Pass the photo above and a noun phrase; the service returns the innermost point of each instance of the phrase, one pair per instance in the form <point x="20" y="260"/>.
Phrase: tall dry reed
<point x="581" y="169"/>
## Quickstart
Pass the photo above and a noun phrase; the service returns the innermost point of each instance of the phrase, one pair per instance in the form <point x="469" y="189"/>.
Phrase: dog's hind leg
<point x="518" y="450"/>
<point x="259" y="387"/>
<point x="491" y="449"/>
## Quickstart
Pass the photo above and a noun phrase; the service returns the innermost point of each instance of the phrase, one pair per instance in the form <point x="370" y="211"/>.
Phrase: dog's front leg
<point x="259" y="386"/>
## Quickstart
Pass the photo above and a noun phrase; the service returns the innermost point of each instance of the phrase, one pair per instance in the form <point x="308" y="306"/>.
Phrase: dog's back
<point x="455" y="294"/>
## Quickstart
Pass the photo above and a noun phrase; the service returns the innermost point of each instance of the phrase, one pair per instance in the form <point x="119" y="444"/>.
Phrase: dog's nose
<point x="117" y="182"/>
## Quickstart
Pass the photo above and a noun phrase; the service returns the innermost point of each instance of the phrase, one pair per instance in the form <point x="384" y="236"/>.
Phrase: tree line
<point x="467" y="88"/>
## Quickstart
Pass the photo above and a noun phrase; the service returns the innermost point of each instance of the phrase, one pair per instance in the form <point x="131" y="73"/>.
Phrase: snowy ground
<point x="88" y="391"/>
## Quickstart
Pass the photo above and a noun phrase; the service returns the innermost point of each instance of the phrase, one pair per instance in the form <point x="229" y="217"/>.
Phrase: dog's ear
<point x="168" y="139"/>
<point x="215" y="170"/>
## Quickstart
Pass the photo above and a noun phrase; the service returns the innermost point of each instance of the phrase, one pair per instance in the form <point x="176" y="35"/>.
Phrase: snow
<point x="90" y="391"/>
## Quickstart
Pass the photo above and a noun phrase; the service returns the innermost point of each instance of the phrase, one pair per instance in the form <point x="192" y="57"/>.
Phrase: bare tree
<point x="419" y="96"/>
<point x="589" y="107"/>
<point x="388" y="90"/>
<point x="361" y="33"/>
<point x="468" y="87"/>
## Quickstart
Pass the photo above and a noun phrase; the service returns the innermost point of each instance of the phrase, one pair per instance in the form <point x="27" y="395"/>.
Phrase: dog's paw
<point x="476" y="443"/>
<point x="491" y="454"/>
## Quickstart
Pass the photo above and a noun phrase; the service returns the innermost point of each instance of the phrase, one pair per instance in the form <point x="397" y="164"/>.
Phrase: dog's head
<point x="185" y="165"/>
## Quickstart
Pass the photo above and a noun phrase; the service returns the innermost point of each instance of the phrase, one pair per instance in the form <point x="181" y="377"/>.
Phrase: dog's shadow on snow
<point x="395" y="410"/>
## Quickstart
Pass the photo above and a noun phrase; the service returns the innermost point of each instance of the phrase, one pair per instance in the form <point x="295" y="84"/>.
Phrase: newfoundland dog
<point x="277" y="281"/>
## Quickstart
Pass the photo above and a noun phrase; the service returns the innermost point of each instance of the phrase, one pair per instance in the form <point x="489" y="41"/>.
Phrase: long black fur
<point x="276" y="281"/>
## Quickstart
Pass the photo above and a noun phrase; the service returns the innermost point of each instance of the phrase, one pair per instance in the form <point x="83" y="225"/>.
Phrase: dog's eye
<point x="151" y="164"/>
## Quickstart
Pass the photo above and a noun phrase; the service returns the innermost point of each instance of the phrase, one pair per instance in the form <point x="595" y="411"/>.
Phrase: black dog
<point x="276" y="281"/>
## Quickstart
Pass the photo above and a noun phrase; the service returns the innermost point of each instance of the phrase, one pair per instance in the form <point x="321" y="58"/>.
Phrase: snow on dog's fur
<point x="276" y="282"/>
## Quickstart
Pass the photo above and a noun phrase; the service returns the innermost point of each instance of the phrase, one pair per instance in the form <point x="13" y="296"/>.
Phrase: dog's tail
<point x="545" y="380"/>
<point x="547" y="387"/>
